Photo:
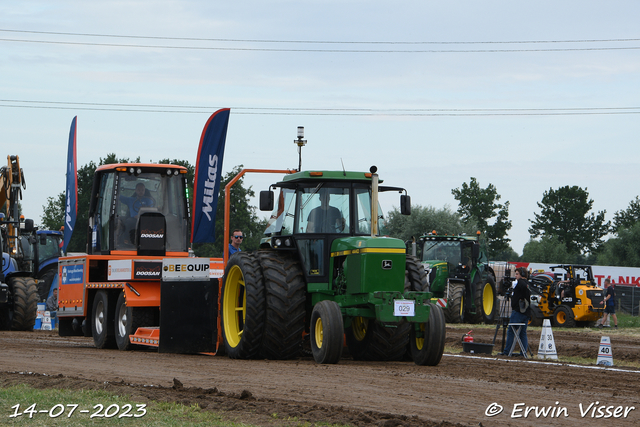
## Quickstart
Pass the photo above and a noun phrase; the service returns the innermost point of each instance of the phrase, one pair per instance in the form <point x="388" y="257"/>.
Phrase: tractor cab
<point x="456" y="256"/>
<point x="139" y="208"/>
<point x="321" y="214"/>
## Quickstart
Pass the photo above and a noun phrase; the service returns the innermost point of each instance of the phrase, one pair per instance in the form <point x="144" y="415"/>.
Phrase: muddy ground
<point x="462" y="390"/>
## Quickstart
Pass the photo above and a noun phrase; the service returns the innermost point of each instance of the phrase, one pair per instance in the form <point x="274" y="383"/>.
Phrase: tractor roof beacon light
<point x="300" y="142"/>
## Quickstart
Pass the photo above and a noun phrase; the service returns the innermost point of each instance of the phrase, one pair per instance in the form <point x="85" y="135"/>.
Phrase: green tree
<point x="480" y="205"/>
<point x="424" y="219"/>
<point x="629" y="217"/>
<point x="548" y="249"/>
<point x="53" y="213"/>
<point x="242" y="216"/>
<point x="565" y="215"/>
<point x="623" y="250"/>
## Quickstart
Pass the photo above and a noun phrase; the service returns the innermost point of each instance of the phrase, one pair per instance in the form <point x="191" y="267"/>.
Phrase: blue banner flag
<point x="71" y="204"/>
<point x="207" y="181"/>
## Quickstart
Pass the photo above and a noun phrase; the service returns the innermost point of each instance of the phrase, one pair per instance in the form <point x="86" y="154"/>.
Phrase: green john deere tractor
<point x="460" y="278"/>
<point x="325" y="273"/>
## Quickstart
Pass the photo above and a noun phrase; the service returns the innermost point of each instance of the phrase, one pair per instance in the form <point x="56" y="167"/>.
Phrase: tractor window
<point x="281" y="219"/>
<point x="151" y="192"/>
<point x="324" y="210"/>
<point x="363" y="206"/>
<point x="104" y="208"/>
<point x="49" y="247"/>
<point x="442" y="251"/>
<point x="174" y="210"/>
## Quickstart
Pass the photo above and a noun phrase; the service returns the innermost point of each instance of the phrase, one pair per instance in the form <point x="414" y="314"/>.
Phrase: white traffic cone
<point x="605" y="355"/>
<point x="547" y="348"/>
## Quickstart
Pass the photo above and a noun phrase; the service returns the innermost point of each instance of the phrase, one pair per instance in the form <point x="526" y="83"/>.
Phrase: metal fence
<point x="628" y="299"/>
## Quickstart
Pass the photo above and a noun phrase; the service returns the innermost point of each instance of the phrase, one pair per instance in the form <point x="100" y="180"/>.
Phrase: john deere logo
<point x="387" y="264"/>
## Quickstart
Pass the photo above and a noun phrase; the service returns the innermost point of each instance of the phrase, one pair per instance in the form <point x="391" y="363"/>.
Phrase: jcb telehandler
<point x="574" y="301"/>
<point x="459" y="277"/>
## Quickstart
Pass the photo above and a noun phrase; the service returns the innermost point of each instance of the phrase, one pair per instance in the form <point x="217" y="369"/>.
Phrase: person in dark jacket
<point x="520" y="310"/>
<point x="609" y="303"/>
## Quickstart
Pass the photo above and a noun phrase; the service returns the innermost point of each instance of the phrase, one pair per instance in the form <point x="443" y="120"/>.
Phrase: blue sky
<point x="526" y="97"/>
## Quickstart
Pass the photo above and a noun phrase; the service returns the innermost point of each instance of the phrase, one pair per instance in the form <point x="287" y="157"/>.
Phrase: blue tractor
<point x="18" y="288"/>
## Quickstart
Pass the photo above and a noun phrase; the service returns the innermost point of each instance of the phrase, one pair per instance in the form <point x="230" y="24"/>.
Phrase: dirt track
<point x="457" y="391"/>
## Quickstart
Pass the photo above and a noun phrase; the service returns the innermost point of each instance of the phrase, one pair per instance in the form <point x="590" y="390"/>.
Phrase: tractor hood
<point x="363" y="244"/>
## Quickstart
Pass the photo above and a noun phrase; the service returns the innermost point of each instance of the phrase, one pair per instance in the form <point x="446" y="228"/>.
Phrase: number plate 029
<point x="404" y="307"/>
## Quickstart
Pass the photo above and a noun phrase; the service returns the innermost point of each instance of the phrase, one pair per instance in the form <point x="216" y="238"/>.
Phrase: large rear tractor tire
<point x="102" y="321"/>
<point x="427" y="339"/>
<point x="563" y="317"/>
<point x="415" y="278"/>
<point x="25" y="303"/>
<point x="286" y="296"/>
<point x="327" y="332"/>
<point x="128" y="320"/>
<point x="243" y="307"/>
<point x="454" y="313"/>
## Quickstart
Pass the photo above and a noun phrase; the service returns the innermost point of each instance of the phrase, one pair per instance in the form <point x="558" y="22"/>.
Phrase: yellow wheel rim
<point x="420" y="341"/>
<point x="487" y="298"/>
<point x="359" y="327"/>
<point x="561" y="317"/>
<point x="461" y="306"/>
<point x="318" y="336"/>
<point x="234" y="306"/>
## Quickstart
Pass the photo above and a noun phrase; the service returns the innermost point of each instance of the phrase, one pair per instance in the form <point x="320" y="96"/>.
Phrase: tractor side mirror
<point x="28" y="225"/>
<point x="405" y="204"/>
<point x="476" y="251"/>
<point x="266" y="200"/>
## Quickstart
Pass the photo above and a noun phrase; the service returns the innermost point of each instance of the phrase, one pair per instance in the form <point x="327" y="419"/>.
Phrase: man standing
<point x="236" y="239"/>
<point x="610" y="303"/>
<point x="52" y="302"/>
<point x="520" y="311"/>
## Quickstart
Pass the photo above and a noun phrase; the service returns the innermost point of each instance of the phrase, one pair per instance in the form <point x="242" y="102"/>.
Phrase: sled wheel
<point x="102" y="321"/>
<point x="128" y="320"/>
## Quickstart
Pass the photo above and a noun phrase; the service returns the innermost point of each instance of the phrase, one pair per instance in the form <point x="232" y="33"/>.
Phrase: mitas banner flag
<point x="207" y="182"/>
<point x="71" y="204"/>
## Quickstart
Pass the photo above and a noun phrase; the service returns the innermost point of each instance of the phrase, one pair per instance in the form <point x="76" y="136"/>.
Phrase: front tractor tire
<point x="327" y="332"/>
<point x="243" y="307"/>
<point x="454" y="313"/>
<point x="488" y="298"/>
<point x="427" y="339"/>
<point x="563" y="317"/>
<point x="25" y="303"/>
<point x="102" y="321"/>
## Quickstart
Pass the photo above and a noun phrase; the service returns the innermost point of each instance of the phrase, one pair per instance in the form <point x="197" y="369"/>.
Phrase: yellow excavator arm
<point x="11" y="184"/>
